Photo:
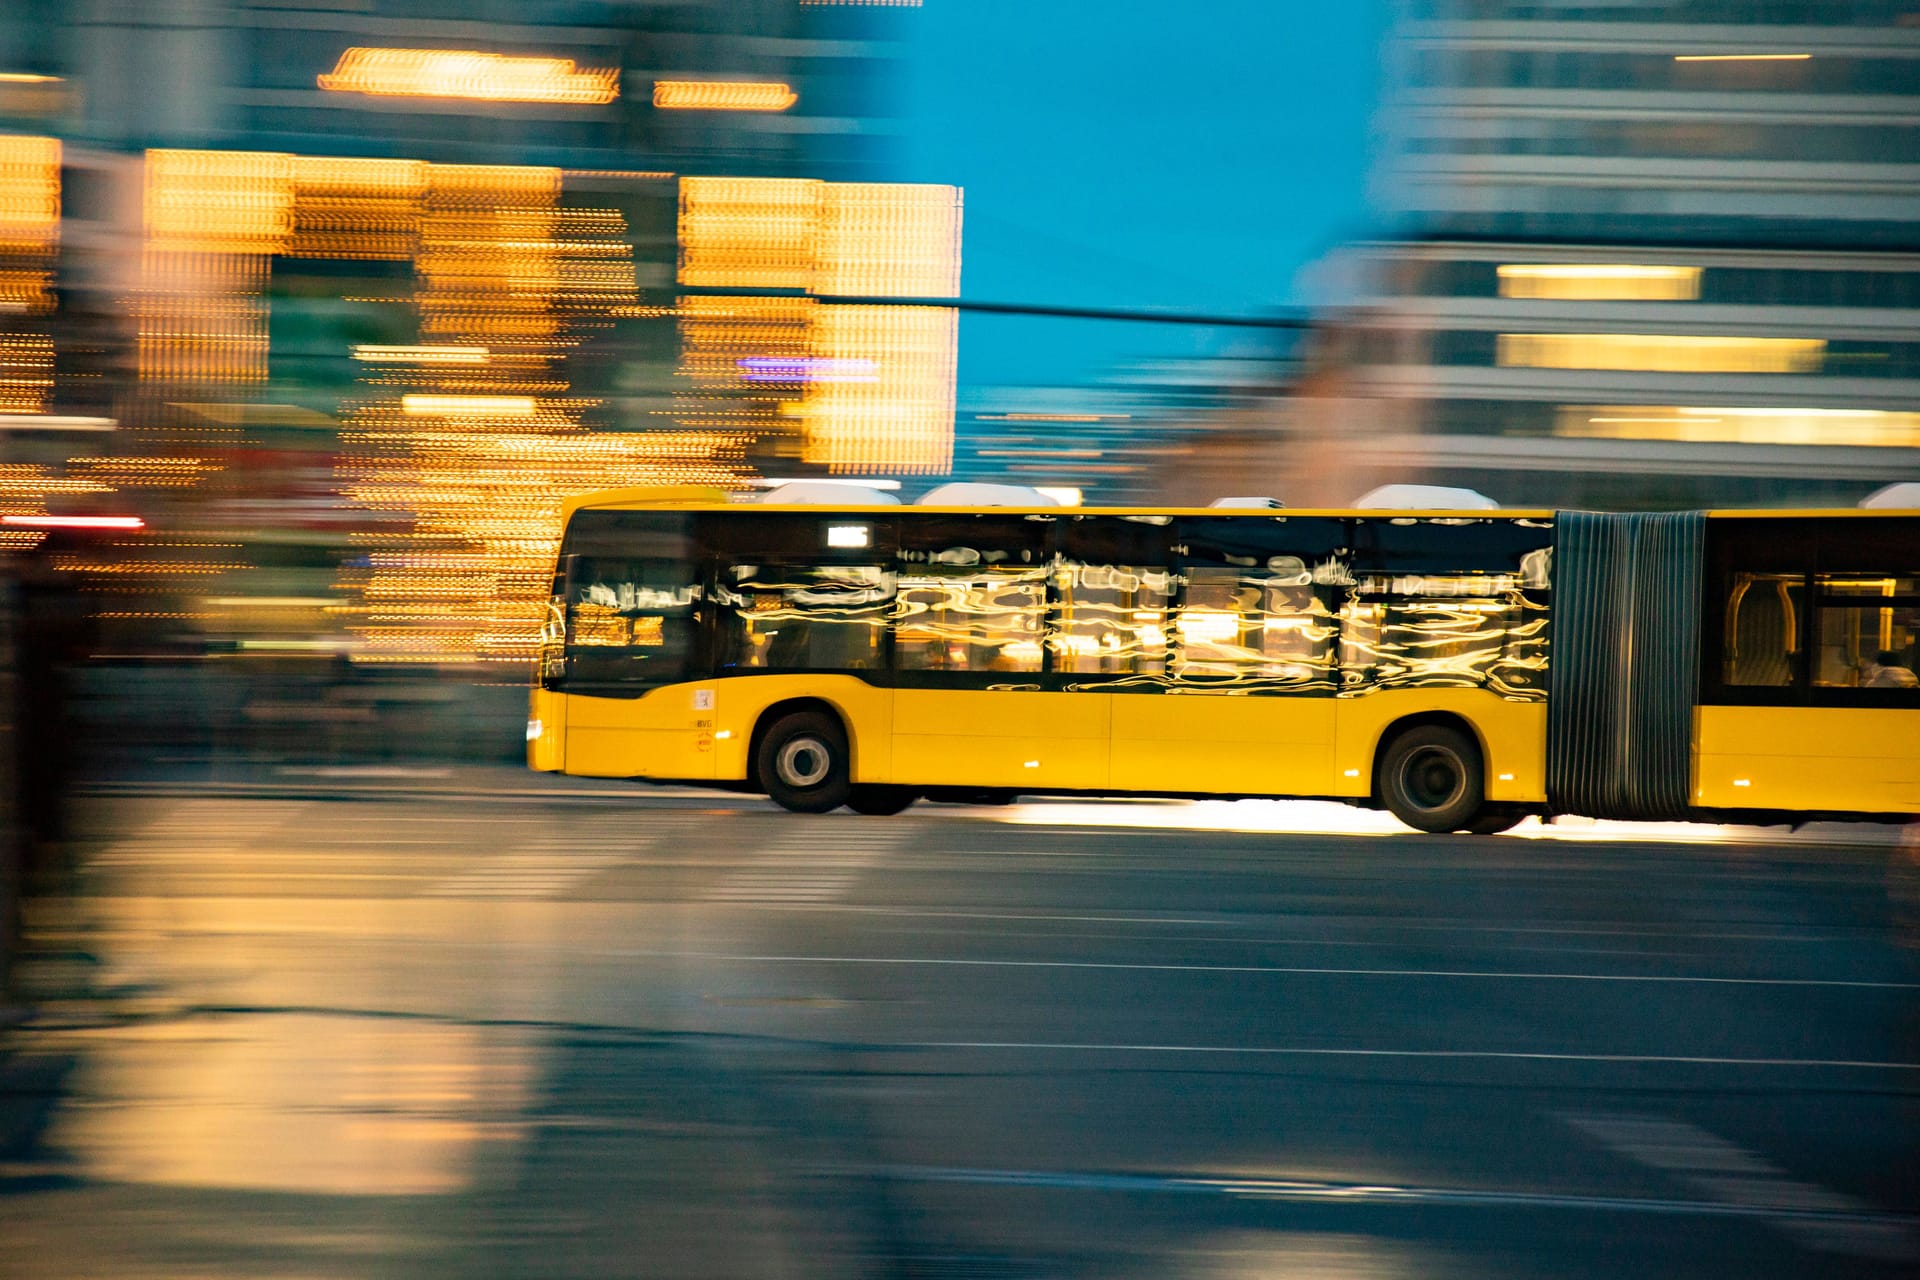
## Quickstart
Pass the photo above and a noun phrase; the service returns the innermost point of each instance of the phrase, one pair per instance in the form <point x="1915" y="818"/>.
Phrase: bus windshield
<point x="626" y="608"/>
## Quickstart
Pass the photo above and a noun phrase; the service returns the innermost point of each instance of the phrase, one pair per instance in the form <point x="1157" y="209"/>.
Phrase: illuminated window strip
<point x="1659" y="353"/>
<point x="1870" y="428"/>
<point x="1599" y="281"/>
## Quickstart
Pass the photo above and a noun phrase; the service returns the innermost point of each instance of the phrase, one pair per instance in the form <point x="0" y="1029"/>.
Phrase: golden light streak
<point x="29" y="243"/>
<point x="468" y="406"/>
<point x="376" y="354"/>
<point x="469" y="74"/>
<point x="722" y="95"/>
<point x="1741" y="57"/>
<point x="23" y="77"/>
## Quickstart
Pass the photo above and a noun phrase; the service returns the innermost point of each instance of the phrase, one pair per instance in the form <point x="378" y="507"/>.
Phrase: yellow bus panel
<point x="1223" y="743"/>
<point x="1002" y="738"/>
<point x="1854" y="759"/>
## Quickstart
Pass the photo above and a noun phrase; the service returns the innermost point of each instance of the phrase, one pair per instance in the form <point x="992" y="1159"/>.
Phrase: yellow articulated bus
<point x="1461" y="669"/>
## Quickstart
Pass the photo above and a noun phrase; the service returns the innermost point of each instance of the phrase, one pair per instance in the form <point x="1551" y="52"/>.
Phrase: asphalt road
<point x="624" y="1034"/>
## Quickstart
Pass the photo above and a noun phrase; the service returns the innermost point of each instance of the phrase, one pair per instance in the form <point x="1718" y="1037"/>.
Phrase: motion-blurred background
<point x="311" y="311"/>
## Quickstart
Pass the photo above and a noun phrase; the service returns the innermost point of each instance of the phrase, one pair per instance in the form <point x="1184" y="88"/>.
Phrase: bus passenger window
<point x="803" y="618"/>
<point x="1112" y="619"/>
<point x="1764" y="618"/>
<point x="1865" y="631"/>
<point x="1445" y="630"/>
<point x="977" y="618"/>
<point x="1255" y="626"/>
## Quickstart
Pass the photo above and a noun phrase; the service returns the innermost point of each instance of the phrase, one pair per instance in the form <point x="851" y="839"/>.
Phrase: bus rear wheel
<point x="1431" y="778"/>
<point x="802" y="763"/>
<point x="879" y="800"/>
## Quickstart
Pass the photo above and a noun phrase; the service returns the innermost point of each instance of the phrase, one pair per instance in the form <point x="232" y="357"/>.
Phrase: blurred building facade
<point x="1644" y="255"/>
<point x="341" y="297"/>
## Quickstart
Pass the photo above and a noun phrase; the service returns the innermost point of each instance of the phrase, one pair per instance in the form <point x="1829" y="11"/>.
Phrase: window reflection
<point x="807" y="618"/>
<point x="1111" y="620"/>
<point x="978" y="618"/>
<point x="1254" y="625"/>
<point x="1399" y="630"/>
<point x="629" y="618"/>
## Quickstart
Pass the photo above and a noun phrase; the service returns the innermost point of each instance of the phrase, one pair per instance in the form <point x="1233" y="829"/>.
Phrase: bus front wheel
<point x="879" y="800"/>
<point x="802" y="763"/>
<point x="1431" y="779"/>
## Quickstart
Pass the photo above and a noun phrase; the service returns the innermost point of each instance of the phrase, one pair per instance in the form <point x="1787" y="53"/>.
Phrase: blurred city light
<point x="468" y="74"/>
<point x="721" y="95"/>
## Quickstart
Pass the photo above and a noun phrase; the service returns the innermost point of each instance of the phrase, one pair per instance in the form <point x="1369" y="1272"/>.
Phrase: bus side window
<point x="972" y="618"/>
<point x="1111" y="620"/>
<point x="1866" y="631"/>
<point x="1764" y="621"/>
<point x="1112" y="588"/>
<point x="803" y="618"/>
<point x="1256" y="623"/>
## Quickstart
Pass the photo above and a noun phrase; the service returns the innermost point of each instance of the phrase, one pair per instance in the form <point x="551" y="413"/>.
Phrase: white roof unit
<point x="968" y="493"/>
<point x="1248" y="501"/>
<point x="827" y="493"/>
<point x="1904" y="496"/>
<point x="1425" y="497"/>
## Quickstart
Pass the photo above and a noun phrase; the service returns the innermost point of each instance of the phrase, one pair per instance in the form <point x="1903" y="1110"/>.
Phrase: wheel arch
<point x="1419" y="720"/>
<point x="771" y="715"/>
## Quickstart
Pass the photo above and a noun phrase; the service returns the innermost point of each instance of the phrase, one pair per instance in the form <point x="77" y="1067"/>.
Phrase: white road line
<point x="1732" y="1175"/>
<point x="1284" y="1051"/>
<point x="546" y="870"/>
<point x="1853" y="1217"/>
<point x="807" y="865"/>
<point x="1300" y="970"/>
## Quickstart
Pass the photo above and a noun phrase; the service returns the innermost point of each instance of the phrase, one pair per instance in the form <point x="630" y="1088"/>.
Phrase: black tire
<point x="802" y="763"/>
<point x="1495" y="818"/>
<point x="1431" y="778"/>
<point x="879" y="800"/>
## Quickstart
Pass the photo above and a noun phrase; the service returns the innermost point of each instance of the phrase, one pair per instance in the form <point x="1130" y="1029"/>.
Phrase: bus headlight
<point x="533" y="730"/>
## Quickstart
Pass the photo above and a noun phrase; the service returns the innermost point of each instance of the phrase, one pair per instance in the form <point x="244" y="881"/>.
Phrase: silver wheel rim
<point x="803" y="762"/>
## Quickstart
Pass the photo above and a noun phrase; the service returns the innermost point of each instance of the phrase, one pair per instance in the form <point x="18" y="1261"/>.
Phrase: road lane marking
<point x="1302" y="970"/>
<point x="816" y="863"/>
<point x="1748" y="1182"/>
<point x="1852" y="1217"/>
<point x="1285" y="1051"/>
